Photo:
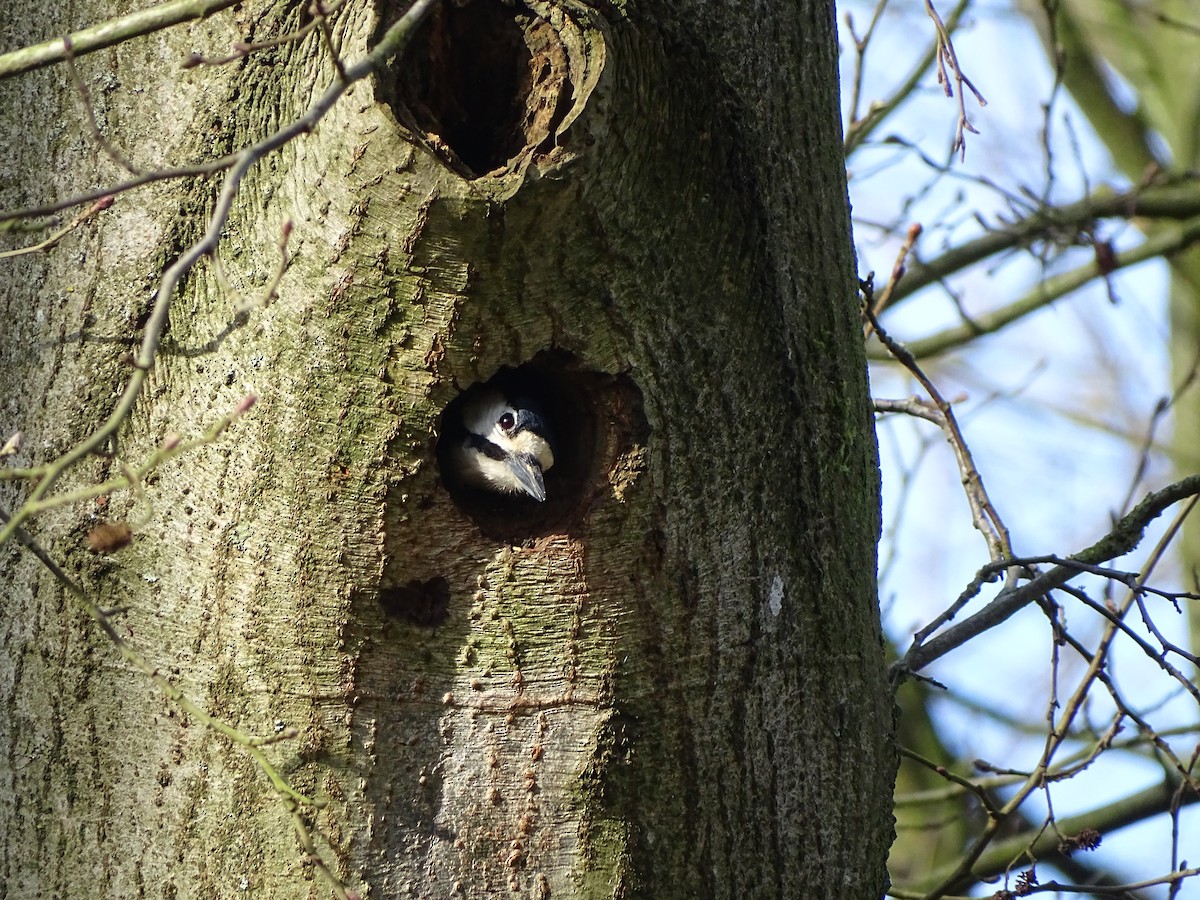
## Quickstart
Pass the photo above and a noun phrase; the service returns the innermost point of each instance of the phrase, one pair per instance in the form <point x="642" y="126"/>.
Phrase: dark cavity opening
<point x="479" y="82"/>
<point x="422" y="603"/>
<point x="568" y="400"/>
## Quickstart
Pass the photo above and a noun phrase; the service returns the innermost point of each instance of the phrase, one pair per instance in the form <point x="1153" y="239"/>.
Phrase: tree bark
<point x="666" y="681"/>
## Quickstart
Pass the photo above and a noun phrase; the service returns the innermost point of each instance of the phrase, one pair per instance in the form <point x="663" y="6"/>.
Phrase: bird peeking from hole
<point x="504" y="445"/>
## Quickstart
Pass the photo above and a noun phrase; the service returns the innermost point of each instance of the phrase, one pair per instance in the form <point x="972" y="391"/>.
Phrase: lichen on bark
<point x="668" y="684"/>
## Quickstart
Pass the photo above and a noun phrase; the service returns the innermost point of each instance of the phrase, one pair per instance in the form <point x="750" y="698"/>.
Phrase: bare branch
<point x="899" y="267"/>
<point x="999" y="856"/>
<point x="95" y="209"/>
<point x="947" y="56"/>
<point x="1123" y="537"/>
<point x="983" y="513"/>
<point x="1162" y="201"/>
<point x="1164" y="240"/>
<point x="108" y="34"/>
<point x="393" y="41"/>
<point x="242" y="49"/>
<point x="860" y="129"/>
<point x="85" y="101"/>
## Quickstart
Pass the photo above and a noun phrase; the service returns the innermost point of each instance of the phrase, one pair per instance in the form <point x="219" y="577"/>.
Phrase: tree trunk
<point x="666" y="681"/>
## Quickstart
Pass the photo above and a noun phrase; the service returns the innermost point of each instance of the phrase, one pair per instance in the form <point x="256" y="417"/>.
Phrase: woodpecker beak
<point x="528" y="473"/>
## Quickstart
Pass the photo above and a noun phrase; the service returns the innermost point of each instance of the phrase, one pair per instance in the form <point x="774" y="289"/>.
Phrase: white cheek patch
<point x="499" y="475"/>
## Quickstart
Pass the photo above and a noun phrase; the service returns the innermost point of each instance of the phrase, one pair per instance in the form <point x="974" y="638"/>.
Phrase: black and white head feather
<point x="505" y="448"/>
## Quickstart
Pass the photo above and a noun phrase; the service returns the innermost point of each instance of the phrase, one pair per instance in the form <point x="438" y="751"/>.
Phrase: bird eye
<point x="507" y="421"/>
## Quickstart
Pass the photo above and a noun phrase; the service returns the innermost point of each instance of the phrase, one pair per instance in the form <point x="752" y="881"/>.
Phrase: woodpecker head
<point x="505" y="447"/>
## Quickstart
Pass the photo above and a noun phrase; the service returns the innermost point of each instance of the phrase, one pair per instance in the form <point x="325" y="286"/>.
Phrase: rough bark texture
<point x="666" y="682"/>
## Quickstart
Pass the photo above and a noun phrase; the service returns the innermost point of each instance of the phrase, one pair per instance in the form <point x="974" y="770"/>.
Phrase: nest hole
<point x="575" y="405"/>
<point x="480" y="82"/>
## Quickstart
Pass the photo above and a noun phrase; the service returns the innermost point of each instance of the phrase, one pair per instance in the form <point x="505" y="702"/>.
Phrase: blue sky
<point x="1055" y="408"/>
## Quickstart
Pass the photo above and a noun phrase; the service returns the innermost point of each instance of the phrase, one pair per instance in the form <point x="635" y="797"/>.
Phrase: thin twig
<point x="109" y="34"/>
<point x="860" y="129"/>
<point x="85" y="100"/>
<point x="1124" y="537"/>
<point x="393" y="42"/>
<point x="860" y="54"/>
<point x="983" y="513"/>
<point x="898" y="269"/>
<point x="946" y="55"/>
<point x="1168" y="201"/>
<point x="99" y="206"/>
<point x="242" y="49"/>
<point x="1163" y="241"/>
